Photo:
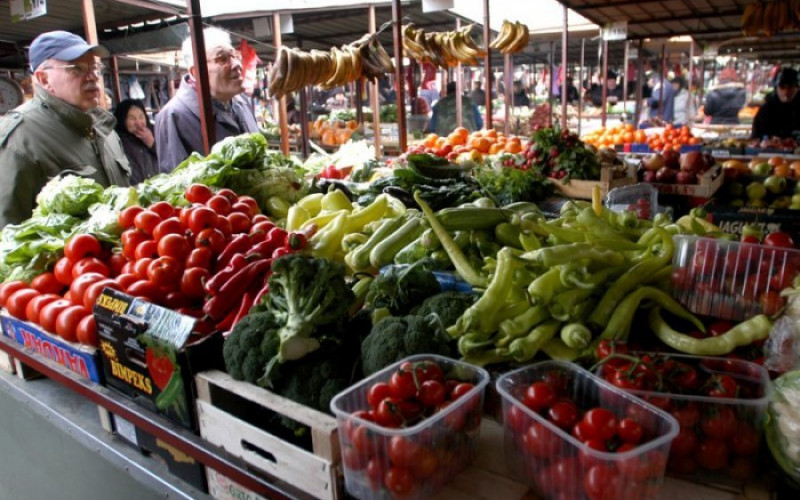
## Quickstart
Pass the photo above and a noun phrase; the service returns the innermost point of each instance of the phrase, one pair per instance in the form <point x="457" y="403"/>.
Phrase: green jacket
<point x="46" y="137"/>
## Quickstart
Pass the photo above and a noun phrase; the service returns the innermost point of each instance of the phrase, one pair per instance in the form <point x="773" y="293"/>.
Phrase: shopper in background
<point x="519" y="97"/>
<point x="682" y="101"/>
<point x="478" y="95"/>
<point x="61" y="130"/>
<point x="780" y="114"/>
<point x="138" y="141"/>
<point x="613" y="91"/>
<point x="667" y="106"/>
<point x="443" y="119"/>
<point x="572" y="91"/>
<point x="725" y="100"/>
<point x="177" y="129"/>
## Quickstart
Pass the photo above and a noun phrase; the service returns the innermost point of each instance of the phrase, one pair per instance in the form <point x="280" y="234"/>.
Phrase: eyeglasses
<point x="80" y="70"/>
<point x="223" y="58"/>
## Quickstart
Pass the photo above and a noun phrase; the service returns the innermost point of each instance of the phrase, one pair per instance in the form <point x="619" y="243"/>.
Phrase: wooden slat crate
<point x="581" y="189"/>
<point x="7" y="362"/>
<point x="316" y="472"/>
<point x="707" y="184"/>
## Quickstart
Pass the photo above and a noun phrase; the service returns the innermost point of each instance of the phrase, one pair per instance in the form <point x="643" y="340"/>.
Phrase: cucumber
<point x="454" y="219"/>
<point x="383" y="253"/>
<point x="358" y="259"/>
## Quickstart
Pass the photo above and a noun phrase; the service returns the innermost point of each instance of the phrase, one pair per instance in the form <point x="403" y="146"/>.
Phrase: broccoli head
<point x="251" y="345"/>
<point x="400" y="288"/>
<point x="449" y="306"/>
<point x="395" y="338"/>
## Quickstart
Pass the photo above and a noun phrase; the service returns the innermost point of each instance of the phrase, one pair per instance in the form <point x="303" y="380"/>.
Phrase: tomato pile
<point x="714" y="436"/>
<point x="736" y="280"/>
<point x="561" y="470"/>
<point x="411" y="465"/>
<point x="210" y="260"/>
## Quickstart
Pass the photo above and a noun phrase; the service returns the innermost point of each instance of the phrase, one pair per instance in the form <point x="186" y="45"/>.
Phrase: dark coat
<point x="597" y="94"/>
<point x="143" y="160"/>
<point x="178" y="125"/>
<point x="724" y="102"/>
<point x="776" y="118"/>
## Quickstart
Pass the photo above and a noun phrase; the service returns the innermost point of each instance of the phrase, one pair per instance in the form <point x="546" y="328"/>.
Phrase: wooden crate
<point x="316" y="472"/>
<point x="581" y="189"/>
<point x="7" y="362"/>
<point x="708" y="184"/>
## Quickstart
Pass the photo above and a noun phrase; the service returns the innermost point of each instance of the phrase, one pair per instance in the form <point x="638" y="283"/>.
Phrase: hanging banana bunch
<point x="443" y="49"/>
<point x="295" y="69"/>
<point x="513" y="38"/>
<point x="770" y="17"/>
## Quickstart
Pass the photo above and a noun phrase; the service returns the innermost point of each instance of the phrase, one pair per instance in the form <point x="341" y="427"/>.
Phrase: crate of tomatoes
<point x="571" y="434"/>
<point x="410" y="428"/>
<point x="719" y="403"/>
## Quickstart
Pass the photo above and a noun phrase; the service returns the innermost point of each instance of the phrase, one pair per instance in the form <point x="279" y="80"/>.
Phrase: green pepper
<point x="508" y="234"/>
<point x="745" y="333"/>
<point x="521" y="324"/>
<point x="277" y="207"/>
<point x="619" y="325"/>
<point x="352" y="241"/>
<point x="567" y="303"/>
<point x="529" y="242"/>
<point x="542" y="289"/>
<point x="576" y="335"/>
<point x="487" y="357"/>
<point x="598" y="227"/>
<point x="556" y="349"/>
<point x="359" y="218"/>
<point x="564" y="235"/>
<point x="326" y="242"/>
<point x="525" y="348"/>
<point x="561" y="254"/>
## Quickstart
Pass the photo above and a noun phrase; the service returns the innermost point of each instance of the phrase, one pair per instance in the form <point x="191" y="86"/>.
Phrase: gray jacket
<point x="46" y="137"/>
<point x="178" y="125"/>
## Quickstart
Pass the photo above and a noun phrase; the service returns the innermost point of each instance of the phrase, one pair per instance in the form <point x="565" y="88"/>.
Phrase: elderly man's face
<point x="75" y="82"/>
<point x="786" y="93"/>
<point x="225" y="73"/>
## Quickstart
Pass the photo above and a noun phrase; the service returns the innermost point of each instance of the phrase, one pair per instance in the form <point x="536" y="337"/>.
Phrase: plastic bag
<point x="782" y="348"/>
<point x="135" y="90"/>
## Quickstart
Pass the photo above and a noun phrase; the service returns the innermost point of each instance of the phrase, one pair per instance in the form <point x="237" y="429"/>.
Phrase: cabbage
<point x="241" y="151"/>
<point x="69" y="194"/>
<point x="783" y="423"/>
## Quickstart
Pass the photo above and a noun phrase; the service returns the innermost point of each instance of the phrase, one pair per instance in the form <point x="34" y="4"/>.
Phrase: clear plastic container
<point x="641" y="198"/>
<point x="436" y="448"/>
<point x="699" y="414"/>
<point x="556" y="464"/>
<point x="730" y="279"/>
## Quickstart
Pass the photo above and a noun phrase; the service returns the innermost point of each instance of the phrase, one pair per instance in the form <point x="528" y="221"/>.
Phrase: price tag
<point x="615" y="31"/>
<point x="720" y="153"/>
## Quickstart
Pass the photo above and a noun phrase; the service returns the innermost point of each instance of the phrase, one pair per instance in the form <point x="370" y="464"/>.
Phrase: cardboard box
<point x="147" y="354"/>
<point x="81" y="359"/>
<point x="769" y="220"/>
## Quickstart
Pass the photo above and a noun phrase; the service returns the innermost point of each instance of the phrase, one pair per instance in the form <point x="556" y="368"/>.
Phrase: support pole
<point x="689" y="81"/>
<point x="550" y="60"/>
<point x="89" y="23"/>
<point x="662" y="70"/>
<point x="207" y="126"/>
<point x="639" y="81"/>
<point x="304" y="132"/>
<point x="581" y="91"/>
<point x="508" y="71"/>
<point x="373" y="92"/>
<point x="115" y="78"/>
<point x="283" y="115"/>
<point x="459" y="87"/>
<point x="564" y="42"/>
<point x="360" y="101"/>
<point x="400" y="81"/>
<point x="603" y="83"/>
<point x="625" y="78"/>
<point x="487" y="65"/>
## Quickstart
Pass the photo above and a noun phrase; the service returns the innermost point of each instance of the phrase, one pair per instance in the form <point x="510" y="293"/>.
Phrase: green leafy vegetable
<point x="241" y="151"/>
<point x="508" y="185"/>
<point x="68" y="194"/>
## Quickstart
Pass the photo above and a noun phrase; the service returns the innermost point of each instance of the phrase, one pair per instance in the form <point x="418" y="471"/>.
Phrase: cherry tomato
<point x="168" y="226"/>
<point x="198" y="193"/>
<point x="125" y="280"/>
<point x="630" y="431"/>
<point x="685" y="376"/>
<point x="636" y="468"/>
<point x="193" y="280"/>
<point x="352" y="459"/>
<point x="387" y="413"/>
<point x="516" y="419"/>
<point x="50" y="312"/>
<point x="240" y="223"/>
<point x="146" y="290"/>
<point x="199" y="257"/>
<point x="687" y="415"/>
<point x="399" y="481"/>
<point x="402" y="384"/>
<point x="771" y="302"/>
<point x="78" y="287"/>
<point x="722" y="386"/>
<point x="540" y="441"/>
<point x="90" y="265"/>
<point x="163" y="209"/>
<point x="779" y="240"/>
<point x="376" y="471"/>
<point x="36" y="304"/>
<point x="211" y="238"/>
<point x="147" y="250"/>
<point x="712" y="454"/>
<point x="431" y="393"/>
<point x="95" y="289"/>
<point x="147" y="221"/>
<point x="127" y="215"/>
<point x="719" y="422"/>
<point x="19" y="300"/>
<point x="539" y="396"/>
<point x="131" y="240"/>
<point x="202" y="218"/>
<point x="601" y="483"/>
<point x="460" y="390"/>
<point x="581" y="431"/>
<point x="377" y="393"/>
<point x="165" y="272"/>
<point x="175" y="246"/>
<point x="68" y="320"/>
<point x="425" y="465"/>
<point x="745" y="440"/>
<point x="47" y="283"/>
<point x="587" y="459"/>
<point x="141" y="266"/>
<point x="219" y="204"/>
<point x="362" y="440"/>
<point x="82" y="245"/>
<point x="63" y="271"/>
<point x="403" y="452"/>
<point x="602" y="424"/>
<point x="229" y="194"/>
<point x="684" y="465"/>
<point x="564" y="414"/>
<point x="116" y="263"/>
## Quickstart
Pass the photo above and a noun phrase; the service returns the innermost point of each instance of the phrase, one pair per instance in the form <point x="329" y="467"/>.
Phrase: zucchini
<point x="384" y="252"/>
<point x="358" y="259"/>
<point x="454" y="219"/>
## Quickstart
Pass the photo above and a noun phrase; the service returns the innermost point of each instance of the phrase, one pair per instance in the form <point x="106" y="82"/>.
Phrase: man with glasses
<point x="779" y="116"/>
<point x="178" y="131"/>
<point x="61" y="130"/>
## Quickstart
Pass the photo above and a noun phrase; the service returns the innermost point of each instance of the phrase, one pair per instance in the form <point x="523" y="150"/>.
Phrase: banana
<point x="512" y="40"/>
<point x="325" y="61"/>
<point x="768" y="21"/>
<point x="383" y="57"/>
<point x="758" y="19"/>
<point x="335" y="68"/>
<point x="748" y="19"/>
<point x="505" y="33"/>
<point x="370" y="67"/>
<point x="280" y="69"/>
<point x="522" y="39"/>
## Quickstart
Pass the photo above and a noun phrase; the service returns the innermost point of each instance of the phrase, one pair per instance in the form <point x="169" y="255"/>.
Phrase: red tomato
<point x="230" y="194"/>
<point x="141" y="266"/>
<point x="403" y="452"/>
<point x="49" y="314"/>
<point x="539" y="396"/>
<point x="9" y="288"/>
<point x="685" y="442"/>
<point x="87" y="331"/>
<point x="193" y="280"/>
<point x="147" y="250"/>
<point x="460" y="390"/>
<point x="90" y="265"/>
<point x="540" y="441"/>
<point x="147" y="221"/>
<point x="184" y="216"/>
<point x="630" y="431"/>
<point x="258" y="218"/>
<point x="240" y="223"/>
<point x="131" y="240"/>
<point x="224" y="227"/>
<point x="399" y="481"/>
<point x="243" y="208"/>
<point x="771" y="302"/>
<point x="601" y="482"/>
<point x="516" y="419"/>
<point x="377" y="393"/>
<point x="82" y="245"/>
<point x="78" y="287"/>
<point x="560" y="478"/>
<point x="387" y="413"/>
<point x="719" y="422"/>
<point x="175" y="246"/>
<point x="687" y="415"/>
<point x="403" y="384"/>
<point x="426" y="464"/>
<point x="564" y="414"/>
<point x="176" y="300"/>
<point x="712" y="454"/>
<point x="117" y="263"/>
<point x="637" y="468"/>
<point x="68" y="320"/>
<point x="200" y="257"/>
<point x="63" y="271"/>
<point x="18" y="301"/>
<point x="168" y="226"/>
<point x="47" y="283"/>
<point x="722" y="386"/>
<point x="744" y="442"/>
<point x="779" y="240"/>
<point x="125" y="280"/>
<point x="602" y="424"/>
<point x="163" y="209"/>
<point x="146" y="290"/>
<point x="219" y="204"/>
<point x="198" y="193"/>
<point x="36" y="304"/>
<point x="95" y="289"/>
<point x="165" y="272"/>
<point x="127" y="216"/>
<point x="202" y="218"/>
<point x="352" y="459"/>
<point x="431" y="393"/>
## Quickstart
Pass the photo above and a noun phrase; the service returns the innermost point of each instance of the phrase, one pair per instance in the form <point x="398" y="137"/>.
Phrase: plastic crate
<point x="449" y="437"/>
<point x="563" y="468"/>
<point x="696" y="411"/>
<point x="730" y="279"/>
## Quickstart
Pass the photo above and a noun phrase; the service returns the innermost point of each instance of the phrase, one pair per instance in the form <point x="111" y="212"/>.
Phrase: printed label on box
<point x="223" y="488"/>
<point x="126" y="429"/>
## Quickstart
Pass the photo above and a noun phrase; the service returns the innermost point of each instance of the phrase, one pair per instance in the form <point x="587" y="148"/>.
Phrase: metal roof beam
<point x="145" y="4"/>
<point x="687" y="17"/>
<point x="624" y="3"/>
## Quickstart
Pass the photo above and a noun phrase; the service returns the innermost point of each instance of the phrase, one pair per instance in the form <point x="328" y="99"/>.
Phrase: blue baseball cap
<point x="61" y="45"/>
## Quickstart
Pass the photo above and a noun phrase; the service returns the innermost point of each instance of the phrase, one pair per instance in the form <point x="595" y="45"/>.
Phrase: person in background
<point x="519" y="97"/>
<point x="572" y="91"/>
<point x="725" y="100"/>
<point x="668" y="105"/>
<point x="683" y="103"/>
<point x="337" y="100"/>
<point x="61" y="130"/>
<point x="429" y="94"/>
<point x="780" y="114"/>
<point x="613" y="92"/>
<point x="443" y="118"/>
<point x="177" y="130"/>
<point x="478" y="95"/>
<point x="138" y="141"/>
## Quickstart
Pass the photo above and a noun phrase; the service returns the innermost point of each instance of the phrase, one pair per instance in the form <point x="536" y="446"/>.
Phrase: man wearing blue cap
<point x="61" y="130"/>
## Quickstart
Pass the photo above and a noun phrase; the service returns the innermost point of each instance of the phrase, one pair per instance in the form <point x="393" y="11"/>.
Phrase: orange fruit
<point x="482" y="144"/>
<point x="495" y="148"/>
<point x="627" y="137"/>
<point x="456" y="139"/>
<point x="776" y="160"/>
<point x="441" y="141"/>
<point x="513" y="147"/>
<point x="490" y="133"/>
<point x="795" y="167"/>
<point x="430" y="140"/>
<point x="782" y="170"/>
<point x="462" y="132"/>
